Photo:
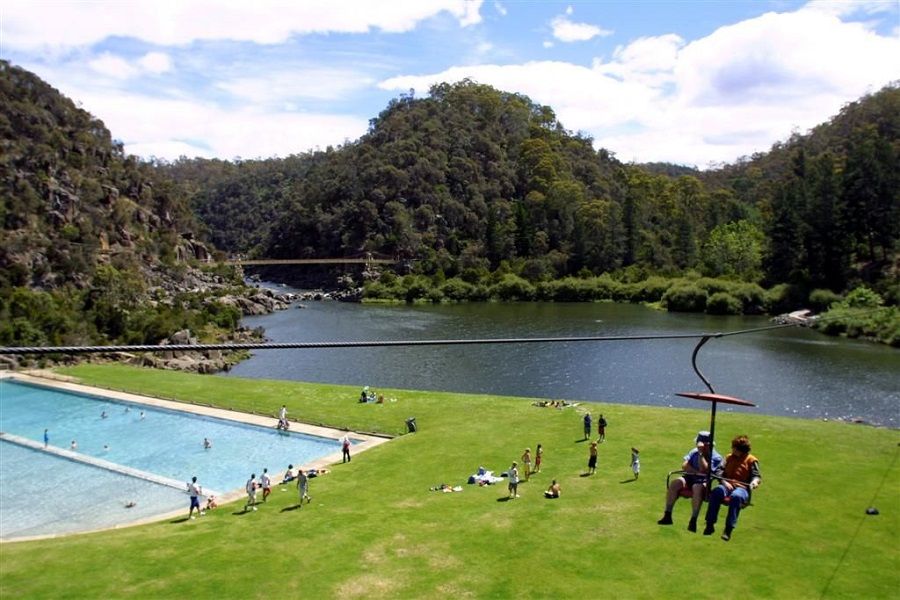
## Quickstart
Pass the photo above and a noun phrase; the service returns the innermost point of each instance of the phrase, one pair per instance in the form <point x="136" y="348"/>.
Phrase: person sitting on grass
<point x="552" y="491"/>
<point x="741" y="477"/>
<point x="289" y="475"/>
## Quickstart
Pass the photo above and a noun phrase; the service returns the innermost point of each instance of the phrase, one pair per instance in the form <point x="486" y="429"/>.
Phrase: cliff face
<point x="97" y="247"/>
<point x="73" y="201"/>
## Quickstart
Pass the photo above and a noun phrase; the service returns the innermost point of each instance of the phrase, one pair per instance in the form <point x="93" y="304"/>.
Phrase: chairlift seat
<point x="687" y="491"/>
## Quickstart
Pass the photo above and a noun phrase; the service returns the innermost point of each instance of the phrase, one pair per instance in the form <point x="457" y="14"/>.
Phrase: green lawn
<point x="374" y="530"/>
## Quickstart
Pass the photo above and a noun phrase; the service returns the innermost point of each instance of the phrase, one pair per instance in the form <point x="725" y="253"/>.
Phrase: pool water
<point x="166" y="443"/>
<point x="42" y="494"/>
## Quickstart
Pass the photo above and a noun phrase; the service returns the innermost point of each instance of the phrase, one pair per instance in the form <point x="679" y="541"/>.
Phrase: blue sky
<point x="692" y="82"/>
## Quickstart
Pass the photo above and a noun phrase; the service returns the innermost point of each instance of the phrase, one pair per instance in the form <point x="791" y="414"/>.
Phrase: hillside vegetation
<point x="479" y="194"/>
<point x="97" y="246"/>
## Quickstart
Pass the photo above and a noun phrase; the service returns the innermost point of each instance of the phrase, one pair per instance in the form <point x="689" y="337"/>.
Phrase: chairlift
<point x="712" y="397"/>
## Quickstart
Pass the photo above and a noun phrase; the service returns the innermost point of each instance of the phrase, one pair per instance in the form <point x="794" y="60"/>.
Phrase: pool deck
<point x="362" y="441"/>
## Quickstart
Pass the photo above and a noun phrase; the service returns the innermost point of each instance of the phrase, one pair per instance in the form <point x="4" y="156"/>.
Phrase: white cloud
<point x="568" y="31"/>
<point x="501" y="10"/>
<point x="547" y="44"/>
<point x="732" y="93"/>
<point x="280" y="87"/>
<point x="112" y="66"/>
<point x="155" y="62"/>
<point x="171" y="128"/>
<point x="36" y="24"/>
<point x="843" y="8"/>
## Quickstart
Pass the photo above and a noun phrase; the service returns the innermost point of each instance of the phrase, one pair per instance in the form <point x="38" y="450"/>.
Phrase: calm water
<point x="791" y="371"/>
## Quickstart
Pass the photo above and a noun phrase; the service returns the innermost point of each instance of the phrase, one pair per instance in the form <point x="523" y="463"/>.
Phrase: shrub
<point x="722" y="303"/>
<point x="783" y="298"/>
<point x="820" y="300"/>
<point x="862" y="297"/>
<point x="752" y="297"/>
<point x="456" y="289"/>
<point x="513" y="287"/>
<point x="685" y="297"/>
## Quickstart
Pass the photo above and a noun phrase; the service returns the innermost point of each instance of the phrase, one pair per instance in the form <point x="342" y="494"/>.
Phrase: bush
<point x="752" y="297"/>
<point x="651" y="289"/>
<point x="722" y="303"/>
<point x="783" y="298"/>
<point x="513" y="287"/>
<point x="820" y="300"/>
<point x="862" y="297"/>
<point x="685" y="297"/>
<point x="457" y="290"/>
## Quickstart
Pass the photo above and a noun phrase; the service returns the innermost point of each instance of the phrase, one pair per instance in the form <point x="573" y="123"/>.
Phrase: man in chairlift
<point x="694" y="477"/>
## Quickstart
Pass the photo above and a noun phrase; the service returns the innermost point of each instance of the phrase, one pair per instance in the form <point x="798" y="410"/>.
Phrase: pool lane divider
<point x="100" y="463"/>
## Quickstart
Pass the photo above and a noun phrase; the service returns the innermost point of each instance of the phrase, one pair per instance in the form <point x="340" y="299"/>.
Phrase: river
<point x="792" y="371"/>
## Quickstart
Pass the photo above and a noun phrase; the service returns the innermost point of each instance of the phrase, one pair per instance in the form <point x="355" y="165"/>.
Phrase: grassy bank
<point x="374" y="530"/>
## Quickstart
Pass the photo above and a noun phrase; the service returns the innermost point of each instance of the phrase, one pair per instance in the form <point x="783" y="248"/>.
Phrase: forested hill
<point x="469" y="177"/>
<point x="95" y="243"/>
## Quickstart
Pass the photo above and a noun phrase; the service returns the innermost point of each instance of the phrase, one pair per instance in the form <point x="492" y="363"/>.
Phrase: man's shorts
<point x="195" y="502"/>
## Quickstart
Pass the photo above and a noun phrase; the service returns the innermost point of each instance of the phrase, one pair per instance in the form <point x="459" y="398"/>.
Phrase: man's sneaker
<point x="254" y="508"/>
<point x="666" y="519"/>
<point x="727" y="534"/>
<point x="709" y="529"/>
<point x="193" y="517"/>
<point x="202" y="513"/>
<point x="692" y="526"/>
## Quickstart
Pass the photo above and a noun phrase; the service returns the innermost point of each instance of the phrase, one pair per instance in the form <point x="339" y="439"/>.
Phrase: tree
<point x="734" y="250"/>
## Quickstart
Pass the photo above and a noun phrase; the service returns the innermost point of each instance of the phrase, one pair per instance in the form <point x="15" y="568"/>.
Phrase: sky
<point x="699" y="83"/>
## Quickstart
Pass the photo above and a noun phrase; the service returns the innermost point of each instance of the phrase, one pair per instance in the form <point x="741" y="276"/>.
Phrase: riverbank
<point x="374" y="530"/>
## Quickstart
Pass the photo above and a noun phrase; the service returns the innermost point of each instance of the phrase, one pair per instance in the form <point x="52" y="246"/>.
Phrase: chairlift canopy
<point x="715" y="398"/>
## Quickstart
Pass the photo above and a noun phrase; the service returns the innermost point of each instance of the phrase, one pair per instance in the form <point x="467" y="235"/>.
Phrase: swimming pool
<point x="161" y="442"/>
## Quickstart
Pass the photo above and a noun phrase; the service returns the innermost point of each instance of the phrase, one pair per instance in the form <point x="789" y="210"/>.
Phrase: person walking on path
<point x="587" y="425"/>
<point x="635" y="462"/>
<point x="742" y="476"/>
<point x="303" y="487"/>
<point x="526" y="463"/>
<point x="538" y="458"/>
<point x="251" y="493"/>
<point x="513" y="481"/>
<point x="345" y="448"/>
<point x="195" y="490"/>
<point x="265" y="482"/>
<point x="601" y="429"/>
<point x="592" y="459"/>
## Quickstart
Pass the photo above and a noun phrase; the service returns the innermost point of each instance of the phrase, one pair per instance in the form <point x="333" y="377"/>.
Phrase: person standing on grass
<point x="601" y="429"/>
<point x="635" y="462"/>
<point x="514" y="481"/>
<point x="303" y="487"/>
<point x="251" y="493"/>
<point x="592" y="459"/>
<point x="526" y="463"/>
<point x="587" y="425"/>
<point x="195" y="490"/>
<point x="538" y="458"/>
<point x="345" y="448"/>
<point x="266" y="484"/>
